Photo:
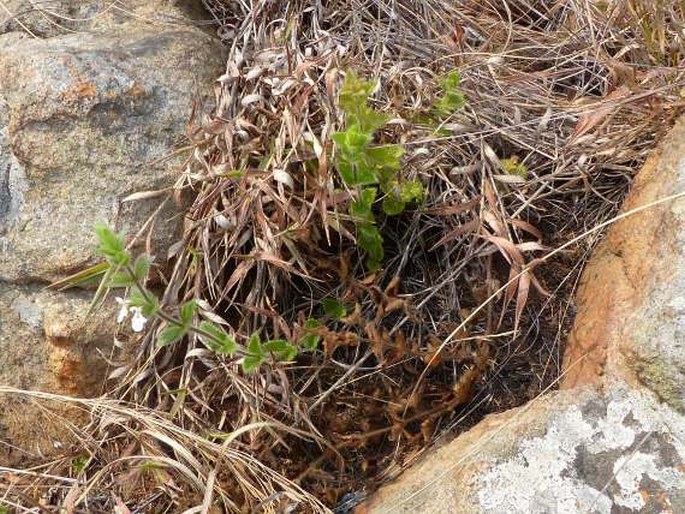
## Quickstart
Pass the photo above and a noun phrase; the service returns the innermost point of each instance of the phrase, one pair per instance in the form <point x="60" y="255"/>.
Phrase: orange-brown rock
<point x="630" y="321"/>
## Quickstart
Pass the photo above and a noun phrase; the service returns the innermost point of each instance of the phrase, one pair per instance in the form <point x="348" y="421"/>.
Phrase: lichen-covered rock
<point x="631" y="303"/>
<point x="573" y="451"/>
<point x="90" y="118"/>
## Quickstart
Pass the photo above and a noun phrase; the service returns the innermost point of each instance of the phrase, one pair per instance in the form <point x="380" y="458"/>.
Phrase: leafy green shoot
<point x="452" y="99"/>
<point x="311" y="339"/>
<point x="368" y="167"/>
<point x="122" y="271"/>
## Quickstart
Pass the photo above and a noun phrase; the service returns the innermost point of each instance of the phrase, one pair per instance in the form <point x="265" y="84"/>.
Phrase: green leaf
<point x="355" y="140"/>
<point x="121" y="279"/>
<point x="251" y="362"/>
<point x="350" y="159"/>
<point x="110" y="241"/>
<point x="353" y="97"/>
<point x="148" y="302"/>
<point x="451" y="81"/>
<point x="171" y="334"/>
<point x="101" y="291"/>
<point x="351" y="143"/>
<point x="513" y="167"/>
<point x="235" y="174"/>
<point x="141" y="267"/>
<point x="254" y="346"/>
<point x="361" y="207"/>
<point x="311" y="340"/>
<point x="256" y="354"/>
<point x="334" y="308"/>
<point x="312" y="324"/>
<point x="354" y="91"/>
<point x="452" y="99"/>
<point x="347" y="171"/>
<point x="186" y="312"/>
<point x="411" y="191"/>
<point x="78" y="464"/>
<point x="112" y="245"/>
<point x="400" y="194"/>
<point x="220" y="341"/>
<point x="370" y="120"/>
<point x="282" y="350"/>
<point x="370" y="239"/>
<point x="392" y="205"/>
<point x="385" y="157"/>
<point x="364" y="175"/>
<point x="82" y="277"/>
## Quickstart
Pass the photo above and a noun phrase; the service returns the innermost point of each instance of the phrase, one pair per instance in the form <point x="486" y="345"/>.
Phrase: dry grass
<point x="576" y="91"/>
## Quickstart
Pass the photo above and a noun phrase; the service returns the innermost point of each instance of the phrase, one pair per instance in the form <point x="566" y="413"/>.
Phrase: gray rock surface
<point x="570" y="452"/>
<point x="58" y="17"/>
<point x="87" y="118"/>
<point x="613" y="439"/>
<point x="631" y="316"/>
<point x="48" y="343"/>
<point x="89" y="114"/>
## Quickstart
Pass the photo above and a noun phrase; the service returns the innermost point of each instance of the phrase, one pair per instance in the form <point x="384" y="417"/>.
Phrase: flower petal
<point x="138" y="321"/>
<point x="123" y="312"/>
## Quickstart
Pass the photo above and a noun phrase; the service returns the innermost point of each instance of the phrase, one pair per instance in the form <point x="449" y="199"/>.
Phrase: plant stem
<point x="166" y="317"/>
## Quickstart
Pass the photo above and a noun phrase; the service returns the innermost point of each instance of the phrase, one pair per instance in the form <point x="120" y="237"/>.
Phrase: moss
<point x="662" y="379"/>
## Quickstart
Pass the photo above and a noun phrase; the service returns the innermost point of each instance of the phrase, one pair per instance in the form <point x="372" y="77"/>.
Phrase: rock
<point x="572" y="451"/>
<point x="48" y="343"/>
<point x="88" y="119"/>
<point x="631" y="302"/>
<point x="612" y="439"/>
<point x="59" y="17"/>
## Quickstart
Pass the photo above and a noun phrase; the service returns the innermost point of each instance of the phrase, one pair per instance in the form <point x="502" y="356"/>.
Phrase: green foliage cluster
<point x="79" y="464"/>
<point x="363" y="166"/>
<point x="452" y="99"/>
<point x="513" y="167"/>
<point x="123" y="272"/>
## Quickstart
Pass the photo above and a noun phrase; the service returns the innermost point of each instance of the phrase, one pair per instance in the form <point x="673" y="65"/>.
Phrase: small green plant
<point x="311" y="339"/>
<point x="125" y="272"/>
<point x="452" y="99"/>
<point x="513" y="166"/>
<point x="363" y="166"/>
<point x="79" y="464"/>
<point x="334" y="308"/>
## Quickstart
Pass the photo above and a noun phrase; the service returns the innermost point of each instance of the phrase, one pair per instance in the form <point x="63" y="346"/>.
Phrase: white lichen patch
<point x="29" y="313"/>
<point x="591" y="459"/>
<point x="629" y="471"/>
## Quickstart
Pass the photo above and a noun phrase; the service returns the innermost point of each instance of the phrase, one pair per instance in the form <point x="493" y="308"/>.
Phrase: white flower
<point x="123" y="311"/>
<point x="137" y="321"/>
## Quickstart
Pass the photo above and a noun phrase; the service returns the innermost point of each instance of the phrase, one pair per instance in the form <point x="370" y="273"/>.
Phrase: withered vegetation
<point x="466" y="316"/>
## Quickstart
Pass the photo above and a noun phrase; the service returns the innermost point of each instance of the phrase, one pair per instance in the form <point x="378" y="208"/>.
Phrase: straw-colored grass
<point x="576" y="92"/>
